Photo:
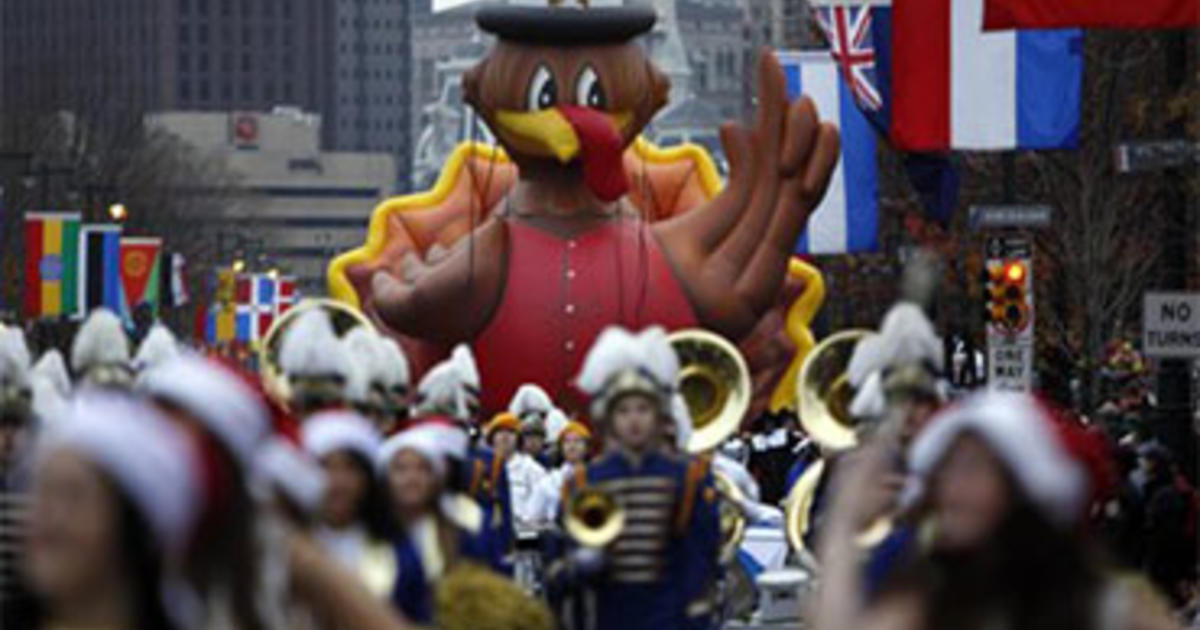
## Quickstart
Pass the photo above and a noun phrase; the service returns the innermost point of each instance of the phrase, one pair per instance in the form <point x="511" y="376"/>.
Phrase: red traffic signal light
<point x="1015" y="272"/>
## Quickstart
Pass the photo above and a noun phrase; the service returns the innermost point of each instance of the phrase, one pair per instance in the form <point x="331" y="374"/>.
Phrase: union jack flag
<point x="852" y="46"/>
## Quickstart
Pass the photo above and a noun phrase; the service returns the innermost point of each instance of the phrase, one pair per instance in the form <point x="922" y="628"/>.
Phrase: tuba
<point x="275" y="382"/>
<point x="715" y="384"/>
<point x="824" y="394"/>
<point x="593" y="518"/>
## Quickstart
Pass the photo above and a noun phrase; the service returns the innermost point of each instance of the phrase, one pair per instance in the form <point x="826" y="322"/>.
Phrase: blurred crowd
<point x="158" y="487"/>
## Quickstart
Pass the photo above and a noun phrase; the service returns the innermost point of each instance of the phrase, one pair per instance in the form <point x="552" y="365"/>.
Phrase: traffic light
<point x="1006" y="290"/>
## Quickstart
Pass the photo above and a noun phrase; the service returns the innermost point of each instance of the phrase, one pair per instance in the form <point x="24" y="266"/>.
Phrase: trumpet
<point x="593" y="518"/>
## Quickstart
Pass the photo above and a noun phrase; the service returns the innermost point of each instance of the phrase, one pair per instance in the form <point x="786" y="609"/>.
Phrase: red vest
<point x="560" y="293"/>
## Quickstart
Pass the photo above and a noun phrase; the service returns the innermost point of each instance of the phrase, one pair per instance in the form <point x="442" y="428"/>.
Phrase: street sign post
<point x="1171" y="325"/>
<point x="1011" y="216"/>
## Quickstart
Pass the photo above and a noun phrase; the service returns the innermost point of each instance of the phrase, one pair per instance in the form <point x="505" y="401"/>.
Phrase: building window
<point x="184" y="62"/>
<point x="202" y="62"/>
<point x="226" y="8"/>
<point x="247" y="91"/>
<point x="184" y="33"/>
<point x="288" y="92"/>
<point x="185" y="91"/>
<point x="202" y="91"/>
<point x="247" y="35"/>
<point x="247" y="62"/>
<point x="202" y="7"/>
<point x="268" y="36"/>
<point x="226" y="91"/>
<point x="227" y="62"/>
<point x="269" y="91"/>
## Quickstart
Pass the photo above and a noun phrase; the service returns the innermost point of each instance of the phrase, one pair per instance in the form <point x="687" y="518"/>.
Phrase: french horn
<point x="715" y="384"/>
<point x="275" y="382"/>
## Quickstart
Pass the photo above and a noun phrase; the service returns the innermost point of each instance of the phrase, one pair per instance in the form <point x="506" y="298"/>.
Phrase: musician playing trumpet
<point x="659" y="571"/>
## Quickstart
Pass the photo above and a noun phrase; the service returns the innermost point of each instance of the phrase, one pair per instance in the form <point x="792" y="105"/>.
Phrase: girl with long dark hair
<point x="997" y="496"/>
<point x="353" y="522"/>
<point x="108" y="522"/>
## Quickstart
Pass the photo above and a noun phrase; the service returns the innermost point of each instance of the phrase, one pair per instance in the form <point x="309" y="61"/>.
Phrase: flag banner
<point x="847" y="220"/>
<point x="956" y="87"/>
<point x="51" y="264"/>
<point x="140" y="271"/>
<point x="286" y="295"/>
<point x="256" y="306"/>
<point x="177" y="289"/>
<point x="100" y="268"/>
<point x="1142" y="14"/>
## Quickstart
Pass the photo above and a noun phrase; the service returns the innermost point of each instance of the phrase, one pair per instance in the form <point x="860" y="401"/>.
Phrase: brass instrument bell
<point x="824" y="392"/>
<point x="593" y="518"/>
<point x="715" y="384"/>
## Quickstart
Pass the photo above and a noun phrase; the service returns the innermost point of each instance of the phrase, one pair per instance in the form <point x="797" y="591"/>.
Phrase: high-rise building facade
<point x="345" y="59"/>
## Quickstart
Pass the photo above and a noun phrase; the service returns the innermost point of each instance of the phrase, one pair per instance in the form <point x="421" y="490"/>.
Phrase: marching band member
<point x="524" y="472"/>
<point x="661" y="569"/>
<point x="100" y="352"/>
<point x="316" y="364"/>
<point x="108" y="522"/>
<point x="355" y="523"/>
<point x="436" y="532"/>
<point x="396" y="382"/>
<point x="379" y="379"/>
<point x="158" y="347"/>
<point x="451" y="389"/>
<point x="574" y="445"/>
<point x="532" y="406"/>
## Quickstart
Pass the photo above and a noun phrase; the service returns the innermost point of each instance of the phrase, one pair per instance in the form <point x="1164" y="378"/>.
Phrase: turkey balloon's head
<point x="568" y="86"/>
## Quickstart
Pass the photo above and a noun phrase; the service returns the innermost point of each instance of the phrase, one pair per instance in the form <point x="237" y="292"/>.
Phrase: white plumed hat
<point x="329" y="431"/>
<point x="159" y="346"/>
<point x="622" y="361"/>
<point x="311" y="348"/>
<point x="530" y="399"/>
<point x="101" y="341"/>
<point x="452" y="386"/>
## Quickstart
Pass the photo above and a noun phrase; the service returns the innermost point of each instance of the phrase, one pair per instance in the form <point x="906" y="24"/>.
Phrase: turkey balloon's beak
<point x="569" y="132"/>
<point x="548" y="132"/>
<point x="547" y="129"/>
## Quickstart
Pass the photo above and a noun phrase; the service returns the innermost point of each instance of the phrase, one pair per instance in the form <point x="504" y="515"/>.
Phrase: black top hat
<point x="563" y="26"/>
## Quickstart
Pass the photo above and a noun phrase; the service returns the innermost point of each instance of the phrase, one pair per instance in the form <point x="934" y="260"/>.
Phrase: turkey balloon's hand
<point x="732" y="253"/>
<point x="448" y="296"/>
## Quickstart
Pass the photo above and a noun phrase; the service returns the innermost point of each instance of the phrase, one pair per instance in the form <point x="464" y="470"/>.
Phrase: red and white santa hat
<point x="1023" y="435"/>
<point x="436" y="440"/>
<point x="227" y="406"/>
<point x="151" y="462"/>
<point x="340" y="430"/>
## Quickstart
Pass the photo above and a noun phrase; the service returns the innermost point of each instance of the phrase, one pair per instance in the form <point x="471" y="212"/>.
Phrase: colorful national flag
<point x="140" y="271"/>
<point x="1134" y="14"/>
<point x="51" y="263"/>
<point x="848" y="218"/>
<point x="256" y="306"/>
<point x="100" y="268"/>
<point x="955" y="87"/>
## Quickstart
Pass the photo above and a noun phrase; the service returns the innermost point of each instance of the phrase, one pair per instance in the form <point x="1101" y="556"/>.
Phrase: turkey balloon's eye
<point x="588" y="91"/>
<point x="543" y="91"/>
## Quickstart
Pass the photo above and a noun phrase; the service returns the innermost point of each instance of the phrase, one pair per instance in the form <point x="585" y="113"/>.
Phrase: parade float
<point x="574" y="222"/>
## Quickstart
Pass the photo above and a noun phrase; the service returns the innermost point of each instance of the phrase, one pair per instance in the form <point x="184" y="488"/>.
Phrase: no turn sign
<point x="1171" y="325"/>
